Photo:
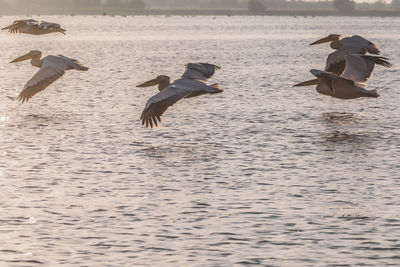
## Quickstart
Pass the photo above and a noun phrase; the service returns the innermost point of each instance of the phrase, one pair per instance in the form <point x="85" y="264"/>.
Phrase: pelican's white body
<point x="191" y="84"/>
<point x="51" y="69"/>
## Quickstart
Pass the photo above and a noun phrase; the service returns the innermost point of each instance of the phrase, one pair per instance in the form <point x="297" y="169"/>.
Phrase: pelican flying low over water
<point x="51" y="68"/>
<point x="351" y="84"/>
<point x="346" y="46"/>
<point x="31" y="26"/>
<point x="191" y="84"/>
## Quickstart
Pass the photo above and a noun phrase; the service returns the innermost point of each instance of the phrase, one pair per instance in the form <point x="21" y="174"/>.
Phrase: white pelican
<point x="351" y="84"/>
<point x="191" y="84"/>
<point x="51" y="68"/>
<point x="31" y="26"/>
<point x="349" y="45"/>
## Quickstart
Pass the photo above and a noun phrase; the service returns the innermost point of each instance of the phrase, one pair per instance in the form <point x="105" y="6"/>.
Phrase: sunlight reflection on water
<point x="262" y="174"/>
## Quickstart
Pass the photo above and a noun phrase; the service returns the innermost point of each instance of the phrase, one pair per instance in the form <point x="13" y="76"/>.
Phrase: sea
<point x="262" y="174"/>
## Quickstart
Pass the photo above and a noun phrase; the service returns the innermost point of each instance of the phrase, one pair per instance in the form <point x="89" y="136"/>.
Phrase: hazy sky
<point x="153" y="1"/>
<point x="189" y="3"/>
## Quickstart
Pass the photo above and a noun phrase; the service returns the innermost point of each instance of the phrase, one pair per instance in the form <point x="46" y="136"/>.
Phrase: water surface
<point x="262" y="174"/>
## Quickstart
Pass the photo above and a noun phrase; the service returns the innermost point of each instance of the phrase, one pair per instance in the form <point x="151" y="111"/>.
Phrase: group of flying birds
<point x="347" y="69"/>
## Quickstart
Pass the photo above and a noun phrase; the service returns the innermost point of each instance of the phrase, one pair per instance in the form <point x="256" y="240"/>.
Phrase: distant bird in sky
<point x="191" y="84"/>
<point x="351" y="84"/>
<point x="346" y="46"/>
<point x="51" y="69"/>
<point x="31" y="26"/>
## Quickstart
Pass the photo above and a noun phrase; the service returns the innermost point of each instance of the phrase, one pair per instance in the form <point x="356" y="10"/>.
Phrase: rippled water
<point x="262" y="174"/>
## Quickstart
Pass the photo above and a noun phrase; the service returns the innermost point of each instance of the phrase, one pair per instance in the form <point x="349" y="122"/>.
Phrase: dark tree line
<point x="396" y="4"/>
<point x="256" y="6"/>
<point x="344" y="6"/>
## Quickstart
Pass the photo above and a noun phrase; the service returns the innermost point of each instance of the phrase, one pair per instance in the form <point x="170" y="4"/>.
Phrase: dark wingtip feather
<point x="213" y="65"/>
<point x="383" y="61"/>
<point x="337" y="68"/>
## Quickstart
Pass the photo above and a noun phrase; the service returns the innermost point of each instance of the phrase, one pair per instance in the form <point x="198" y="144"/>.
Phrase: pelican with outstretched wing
<point x="355" y="44"/>
<point x="51" y="69"/>
<point x="351" y="84"/>
<point x="31" y="26"/>
<point x="191" y="84"/>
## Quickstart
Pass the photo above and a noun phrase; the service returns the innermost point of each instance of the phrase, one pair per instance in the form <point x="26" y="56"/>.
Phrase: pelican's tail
<point x="306" y="83"/>
<point x="372" y="93"/>
<point x="373" y="49"/>
<point x="216" y="86"/>
<point x="80" y="67"/>
<point x="208" y="89"/>
<point x="74" y="64"/>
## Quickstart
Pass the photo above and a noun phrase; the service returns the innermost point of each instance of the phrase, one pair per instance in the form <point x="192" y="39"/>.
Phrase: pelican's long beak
<point x="323" y="40"/>
<point x="149" y="83"/>
<point x="306" y="83"/>
<point x="22" y="58"/>
<point x="62" y="31"/>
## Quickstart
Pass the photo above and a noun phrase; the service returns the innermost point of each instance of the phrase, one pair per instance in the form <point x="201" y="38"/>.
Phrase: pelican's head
<point x="333" y="38"/>
<point x="161" y="80"/>
<point x="316" y="73"/>
<point x="30" y="55"/>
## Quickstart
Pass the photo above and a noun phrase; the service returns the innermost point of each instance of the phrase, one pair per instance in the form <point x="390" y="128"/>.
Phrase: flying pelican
<point x="51" y="68"/>
<point x="31" y="26"/>
<point x="346" y="46"/>
<point x="191" y="84"/>
<point x="351" y="84"/>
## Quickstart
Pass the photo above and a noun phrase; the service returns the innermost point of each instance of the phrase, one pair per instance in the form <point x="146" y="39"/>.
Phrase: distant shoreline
<point x="200" y="12"/>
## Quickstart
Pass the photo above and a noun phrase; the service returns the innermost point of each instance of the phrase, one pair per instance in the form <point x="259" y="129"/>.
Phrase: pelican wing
<point x="355" y="40"/>
<point x="74" y="60"/>
<point x="74" y="63"/>
<point x="181" y="88"/>
<point x="159" y="103"/>
<point x="24" y="21"/>
<point x="361" y="42"/>
<point x="48" y="25"/>
<point x="330" y="80"/>
<point x="336" y="61"/>
<point x="199" y="71"/>
<point x="50" y="71"/>
<point x="65" y="63"/>
<point x="359" y="67"/>
<point x="13" y="28"/>
<point x="197" y="87"/>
